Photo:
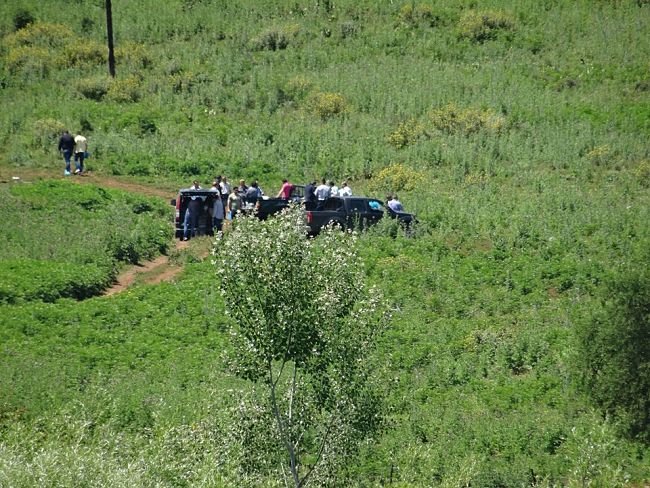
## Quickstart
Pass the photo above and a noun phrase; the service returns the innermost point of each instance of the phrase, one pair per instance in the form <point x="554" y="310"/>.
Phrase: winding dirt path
<point x="90" y="178"/>
<point x="149" y="272"/>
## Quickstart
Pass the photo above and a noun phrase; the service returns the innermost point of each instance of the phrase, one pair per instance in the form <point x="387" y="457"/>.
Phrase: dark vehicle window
<point x="357" y="205"/>
<point x="333" y="204"/>
<point x="376" y="206"/>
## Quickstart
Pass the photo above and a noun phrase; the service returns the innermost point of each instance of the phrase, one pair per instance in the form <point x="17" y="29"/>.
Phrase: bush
<point x="397" y="177"/>
<point x="614" y="350"/>
<point x="83" y="51"/>
<point x="455" y="120"/>
<point x="600" y="155"/>
<point x="348" y="29"/>
<point x="22" y="18"/>
<point x="29" y="279"/>
<point x="94" y="88"/>
<point x="47" y="132"/>
<point x="274" y="39"/>
<point x="326" y="105"/>
<point x="134" y="54"/>
<point x="29" y="60"/>
<point x="481" y="26"/>
<point x="124" y="90"/>
<point x="40" y="34"/>
<point x="406" y="133"/>
<point x="414" y="15"/>
<point x="642" y="173"/>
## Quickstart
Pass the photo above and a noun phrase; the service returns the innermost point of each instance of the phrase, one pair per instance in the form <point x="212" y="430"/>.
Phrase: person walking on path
<point x="66" y="147"/>
<point x="80" y="148"/>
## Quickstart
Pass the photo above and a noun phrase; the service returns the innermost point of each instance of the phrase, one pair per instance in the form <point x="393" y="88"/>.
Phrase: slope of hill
<point x="516" y="130"/>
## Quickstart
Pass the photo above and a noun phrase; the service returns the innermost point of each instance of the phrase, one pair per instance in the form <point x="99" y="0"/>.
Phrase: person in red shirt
<point x="285" y="191"/>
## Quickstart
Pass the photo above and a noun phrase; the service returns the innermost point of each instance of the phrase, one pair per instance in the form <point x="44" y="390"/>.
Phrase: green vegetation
<point x="615" y="349"/>
<point x="308" y="350"/>
<point x="516" y="130"/>
<point x="68" y="240"/>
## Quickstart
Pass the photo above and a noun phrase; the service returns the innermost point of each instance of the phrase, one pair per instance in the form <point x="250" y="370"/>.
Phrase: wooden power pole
<point x="109" y="32"/>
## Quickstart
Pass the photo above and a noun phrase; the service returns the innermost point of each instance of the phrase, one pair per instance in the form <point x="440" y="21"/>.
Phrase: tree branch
<point x="283" y="430"/>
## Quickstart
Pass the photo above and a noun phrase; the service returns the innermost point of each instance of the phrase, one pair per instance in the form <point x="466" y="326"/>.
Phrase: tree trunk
<point x="109" y="33"/>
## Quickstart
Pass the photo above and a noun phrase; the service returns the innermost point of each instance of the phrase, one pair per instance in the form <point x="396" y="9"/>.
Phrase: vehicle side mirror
<point x="172" y="202"/>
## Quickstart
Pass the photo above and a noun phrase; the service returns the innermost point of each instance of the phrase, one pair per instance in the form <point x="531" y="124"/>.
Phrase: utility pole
<point x="109" y="32"/>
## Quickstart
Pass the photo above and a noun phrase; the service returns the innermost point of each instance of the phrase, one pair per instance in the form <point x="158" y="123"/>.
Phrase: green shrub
<point x="406" y="133"/>
<point x="327" y="105"/>
<point x="30" y="279"/>
<point x="134" y="55"/>
<point x="83" y="51"/>
<point x="481" y="26"/>
<point x="124" y="90"/>
<point x="614" y="349"/>
<point x="397" y="177"/>
<point x="22" y="18"/>
<point x="414" y="15"/>
<point x="94" y="88"/>
<point x="40" y="34"/>
<point x="455" y="120"/>
<point x="270" y="40"/>
<point x="32" y="61"/>
<point x="348" y="29"/>
<point x="47" y="132"/>
<point x="642" y="173"/>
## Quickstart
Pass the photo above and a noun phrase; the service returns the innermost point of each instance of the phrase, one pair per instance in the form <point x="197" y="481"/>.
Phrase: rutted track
<point x="148" y="272"/>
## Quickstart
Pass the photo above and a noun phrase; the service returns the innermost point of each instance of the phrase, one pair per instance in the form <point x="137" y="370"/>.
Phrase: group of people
<point x="232" y="200"/>
<point x="77" y="145"/>
<point x="316" y="196"/>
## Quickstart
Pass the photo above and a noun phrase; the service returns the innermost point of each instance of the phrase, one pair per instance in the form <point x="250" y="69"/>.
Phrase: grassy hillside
<point x="516" y="130"/>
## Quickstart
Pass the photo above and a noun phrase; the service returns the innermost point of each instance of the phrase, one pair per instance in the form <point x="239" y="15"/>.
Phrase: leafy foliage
<point x="305" y="326"/>
<point x="614" y="350"/>
<point x="29" y="279"/>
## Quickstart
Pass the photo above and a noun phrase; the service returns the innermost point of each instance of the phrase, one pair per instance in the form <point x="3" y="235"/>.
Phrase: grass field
<point x="517" y="131"/>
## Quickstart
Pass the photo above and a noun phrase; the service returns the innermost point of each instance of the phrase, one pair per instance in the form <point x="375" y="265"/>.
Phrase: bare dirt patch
<point x="30" y="174"/>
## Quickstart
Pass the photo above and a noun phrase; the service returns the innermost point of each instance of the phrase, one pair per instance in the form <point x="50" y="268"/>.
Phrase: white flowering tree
<point x="305" y="325"/>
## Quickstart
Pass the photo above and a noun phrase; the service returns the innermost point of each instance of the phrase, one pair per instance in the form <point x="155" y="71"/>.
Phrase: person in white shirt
<point x="322" y="193"/>
<point x="334" y="190"/>
<point x="80" y="148"/>
<point x="395" y="205"/>
<point x="345" y="190"/>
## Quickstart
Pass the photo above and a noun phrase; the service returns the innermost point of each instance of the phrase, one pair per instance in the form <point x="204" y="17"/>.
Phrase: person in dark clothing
<point x="310" y="195"/>
<point x="66" y="146"/>
<point x="253" y="193"/>
<point x="192" y="214"/>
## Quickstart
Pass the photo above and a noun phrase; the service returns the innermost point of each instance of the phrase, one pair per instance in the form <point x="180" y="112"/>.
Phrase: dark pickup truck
<point x="268" y="206"/>
<point x="352" y="213"/>
<point x="204" y="220"/>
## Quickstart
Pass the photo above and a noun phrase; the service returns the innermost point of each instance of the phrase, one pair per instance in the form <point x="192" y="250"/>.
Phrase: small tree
<point x="304" y="325"/>
<point x="614" y="349"/>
